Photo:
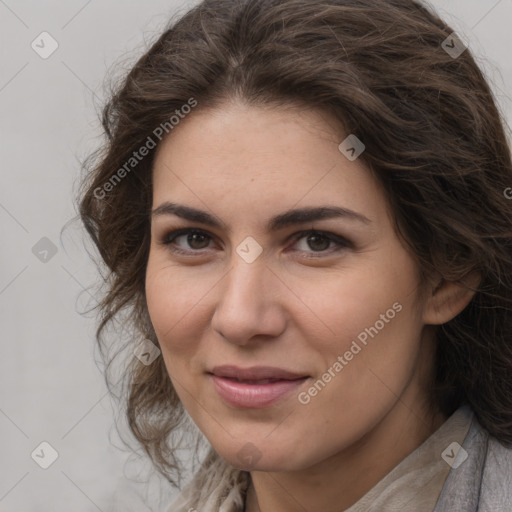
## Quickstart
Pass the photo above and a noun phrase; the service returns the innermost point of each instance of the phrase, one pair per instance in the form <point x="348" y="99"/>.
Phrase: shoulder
<point x="482" y="482"/>
<point x="496" y="485"/>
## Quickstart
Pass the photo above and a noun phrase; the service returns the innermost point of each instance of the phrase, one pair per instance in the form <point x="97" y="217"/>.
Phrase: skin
<point x="298" y="306"/>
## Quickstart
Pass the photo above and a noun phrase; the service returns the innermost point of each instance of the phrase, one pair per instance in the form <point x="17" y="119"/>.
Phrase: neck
<point x="339" y="481"/>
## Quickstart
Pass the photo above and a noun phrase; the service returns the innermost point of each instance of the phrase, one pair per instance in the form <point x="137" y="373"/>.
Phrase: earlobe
<point x="448" y="298"/>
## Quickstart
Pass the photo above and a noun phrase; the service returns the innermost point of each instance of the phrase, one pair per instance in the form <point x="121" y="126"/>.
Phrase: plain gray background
<point x="51" y="388"/>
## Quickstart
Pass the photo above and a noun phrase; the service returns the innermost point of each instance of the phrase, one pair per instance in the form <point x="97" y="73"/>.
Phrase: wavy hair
<point x="434" y="138"/>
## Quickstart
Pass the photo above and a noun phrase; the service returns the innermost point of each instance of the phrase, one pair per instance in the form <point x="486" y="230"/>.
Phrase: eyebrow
<point x="288" y="218"/>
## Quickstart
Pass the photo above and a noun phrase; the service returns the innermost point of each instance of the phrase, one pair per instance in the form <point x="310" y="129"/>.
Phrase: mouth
<point x="254" y="387"/>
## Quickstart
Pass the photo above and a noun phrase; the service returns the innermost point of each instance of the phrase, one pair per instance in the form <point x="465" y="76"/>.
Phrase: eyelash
<point x="170" y="237"/>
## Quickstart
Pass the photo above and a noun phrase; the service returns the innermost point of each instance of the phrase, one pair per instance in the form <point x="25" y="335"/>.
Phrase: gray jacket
<point x="483" y="483"/>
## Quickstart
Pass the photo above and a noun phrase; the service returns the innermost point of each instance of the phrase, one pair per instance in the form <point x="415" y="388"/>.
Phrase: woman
<point x="372" y="371"/>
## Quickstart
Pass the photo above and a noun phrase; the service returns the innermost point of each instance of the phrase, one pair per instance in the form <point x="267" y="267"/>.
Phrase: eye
<point x="199" y="240"/>
<point x="195" y="238"/>
<point x="320" y="242"/>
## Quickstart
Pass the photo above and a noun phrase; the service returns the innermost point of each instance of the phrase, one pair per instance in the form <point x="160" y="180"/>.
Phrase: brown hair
<point x="433" y="136"/>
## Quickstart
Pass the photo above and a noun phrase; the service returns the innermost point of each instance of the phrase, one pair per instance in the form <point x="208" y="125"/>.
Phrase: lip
<point x="269" y="384"/>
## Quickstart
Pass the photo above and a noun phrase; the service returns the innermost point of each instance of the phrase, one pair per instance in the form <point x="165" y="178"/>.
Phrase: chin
<point x="260" y="456"/>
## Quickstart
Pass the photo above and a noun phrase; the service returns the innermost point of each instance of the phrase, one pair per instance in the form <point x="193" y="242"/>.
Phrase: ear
<point x="448" y="298"/>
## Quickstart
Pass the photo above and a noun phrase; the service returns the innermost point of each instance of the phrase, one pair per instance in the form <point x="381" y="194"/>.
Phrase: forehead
<point x="263" y="158"/>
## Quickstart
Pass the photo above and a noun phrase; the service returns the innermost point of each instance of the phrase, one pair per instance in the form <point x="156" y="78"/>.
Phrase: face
<point x="276" y="327"/>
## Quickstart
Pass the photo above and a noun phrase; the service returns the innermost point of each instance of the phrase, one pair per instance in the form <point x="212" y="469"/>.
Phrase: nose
<point x="250" y="305"/>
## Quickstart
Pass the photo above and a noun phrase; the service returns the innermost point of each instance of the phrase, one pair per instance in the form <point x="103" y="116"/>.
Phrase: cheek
<point x="176" y="300"/>
<point x="378" y="328"/>
<point x="347" y="305"/>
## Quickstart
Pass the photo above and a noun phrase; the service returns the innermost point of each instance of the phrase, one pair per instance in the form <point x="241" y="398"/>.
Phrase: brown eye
<point x="320" y="242"/>
<point x="194" y="240"/>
